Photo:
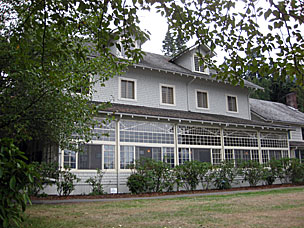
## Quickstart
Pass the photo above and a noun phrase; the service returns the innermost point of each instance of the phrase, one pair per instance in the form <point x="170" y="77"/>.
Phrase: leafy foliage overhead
<point x="272" y="30"/>
<point x="52" y="55"/>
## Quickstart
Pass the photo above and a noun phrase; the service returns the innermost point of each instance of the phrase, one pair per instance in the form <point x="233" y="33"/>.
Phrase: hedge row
<point x="156" y="176"/>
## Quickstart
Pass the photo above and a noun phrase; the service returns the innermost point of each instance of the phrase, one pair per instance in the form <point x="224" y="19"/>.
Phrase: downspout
<point x="188" y="108"/>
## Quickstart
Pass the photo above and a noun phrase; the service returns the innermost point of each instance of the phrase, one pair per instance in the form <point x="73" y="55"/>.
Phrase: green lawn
<point x="274" y="208"/>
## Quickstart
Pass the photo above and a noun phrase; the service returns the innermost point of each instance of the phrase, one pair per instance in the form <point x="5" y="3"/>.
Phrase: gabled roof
<point x="276" y="112"/>
<point x="162" y="63"/>
<point x="204" y="47"/>
<point x="158" y="113"/>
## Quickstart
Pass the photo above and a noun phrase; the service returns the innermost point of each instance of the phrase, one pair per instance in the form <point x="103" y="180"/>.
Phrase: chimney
<point x="291" y="100"/>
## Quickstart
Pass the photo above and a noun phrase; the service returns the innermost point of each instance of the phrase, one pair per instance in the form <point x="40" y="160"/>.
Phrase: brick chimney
<point x="291" y="100"/>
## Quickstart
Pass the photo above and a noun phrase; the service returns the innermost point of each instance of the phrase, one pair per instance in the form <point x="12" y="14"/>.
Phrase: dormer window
<point x="197" y="66"/>
<point x="121" y="51"/>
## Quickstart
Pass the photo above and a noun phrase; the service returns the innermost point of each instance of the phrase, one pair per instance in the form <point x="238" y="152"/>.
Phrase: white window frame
<point x="135" y="89"/>
<point x="93" y="142"/>
<point x="196" y="101"/>
<point x="161" y="96"/>
<point x="236" y="103"/>
<point x="206" y="70"/>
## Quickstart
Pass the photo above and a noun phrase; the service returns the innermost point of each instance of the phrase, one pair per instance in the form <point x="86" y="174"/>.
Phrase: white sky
<point x="157" y="26"/>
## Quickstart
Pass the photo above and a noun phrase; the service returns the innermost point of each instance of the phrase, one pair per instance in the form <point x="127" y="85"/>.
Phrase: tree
<point x="171" y="45"/>
<point x="52" y="54"/>
<point x="273" y="31"/>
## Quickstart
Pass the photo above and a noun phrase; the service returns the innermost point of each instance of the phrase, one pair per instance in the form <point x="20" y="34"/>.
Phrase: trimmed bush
<point x="296" y="171"/>
<point x="206" y="174"/>
<point x="150" y="176"/>
<point x="225" y="174"/>
<point x="190" y="174"/>
<point x="252" y="172"/>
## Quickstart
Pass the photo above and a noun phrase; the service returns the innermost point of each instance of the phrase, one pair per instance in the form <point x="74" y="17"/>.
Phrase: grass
<point x="273" y="208"/>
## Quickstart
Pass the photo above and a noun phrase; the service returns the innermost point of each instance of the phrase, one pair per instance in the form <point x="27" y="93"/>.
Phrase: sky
<point x="157" y="26"/>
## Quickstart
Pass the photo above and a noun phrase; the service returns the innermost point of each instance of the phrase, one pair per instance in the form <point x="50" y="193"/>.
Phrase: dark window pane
<point x="90" y="158"/>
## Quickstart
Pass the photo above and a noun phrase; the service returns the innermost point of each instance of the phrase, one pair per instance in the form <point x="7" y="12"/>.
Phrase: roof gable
<point x="162" y="63"/>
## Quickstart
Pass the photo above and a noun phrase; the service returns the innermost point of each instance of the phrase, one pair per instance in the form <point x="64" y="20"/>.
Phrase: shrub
<point x="15" y="178"/>
<point x="190" y="174"/>
<point x="252" y="171"/>
<point x="65" y="182"/>
<point x="286" y="170"/>
<point x="296" y="171"/>
<point x="206" y="174"/>
<point x="96" y="183"/>
<point x="137" y="183"/>
<point x="178" y="175"/>
<point x="47" y="172"/>
<point x="268" y="176"/>
<point x="225" y="174"/>
<point x="150" y="176"/>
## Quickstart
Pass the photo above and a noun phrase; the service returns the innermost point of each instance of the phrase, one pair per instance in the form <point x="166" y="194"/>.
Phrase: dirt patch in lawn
<point x="128" y="195"/>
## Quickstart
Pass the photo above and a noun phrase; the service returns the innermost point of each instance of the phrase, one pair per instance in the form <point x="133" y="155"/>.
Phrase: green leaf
<point x="267" y="13"/>
<point x="12" y="182"/>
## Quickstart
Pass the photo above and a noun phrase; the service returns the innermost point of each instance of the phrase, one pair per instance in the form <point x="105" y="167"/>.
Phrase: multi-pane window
<point x="126" y="156"/>
<point x="148" y="152"/>
<point x="255" y="155"/>
<point x="197" y="66"/>
<point x="216" y="156"/>
<point x="165" y="154"/>
<point x="274" y="140"/>
<point x="202" y="99"/>
<point x="183" y="155"/>
<point x="127" y="89"/>
<point x="109" y="157"/>
<point x="240" y="138"/>
<point x="242" y="155"/>
<point x="232" y="104"/>
<point x="69" y="159"/>
<point x="90" y="157"/>
<point x="146" y="132"/>
<point x="285" y="154"/>
<point x="275" y="154"/>
<point x="200" y="154"/>
<point x="168" y="155"/>
<point x="265" y="157"/>
<point x="229" y="154"/>
<point x="167" y="95"/>
<point x="194" y="135"/>
<point x="104" y="131"/>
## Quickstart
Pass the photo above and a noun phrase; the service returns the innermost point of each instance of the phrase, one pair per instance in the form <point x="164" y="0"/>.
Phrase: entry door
<point x="202" y="155"/>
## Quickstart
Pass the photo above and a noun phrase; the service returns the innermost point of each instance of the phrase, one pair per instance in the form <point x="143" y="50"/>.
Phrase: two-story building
<point x="173" y="110"/>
